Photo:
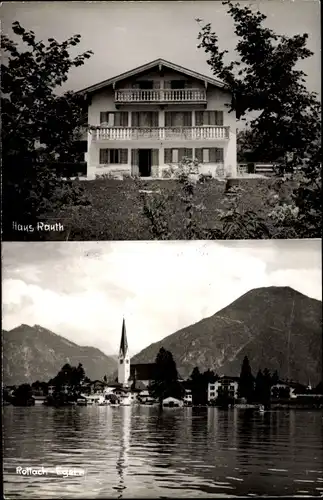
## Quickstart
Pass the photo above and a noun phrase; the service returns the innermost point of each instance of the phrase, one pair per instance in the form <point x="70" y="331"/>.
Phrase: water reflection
<point x="123" y="458"/>
<point x="140" y="452"/>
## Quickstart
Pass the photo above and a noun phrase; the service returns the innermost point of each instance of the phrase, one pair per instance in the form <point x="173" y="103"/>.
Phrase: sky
<point x="82" y="290"/>
<point x="124" y="35"/>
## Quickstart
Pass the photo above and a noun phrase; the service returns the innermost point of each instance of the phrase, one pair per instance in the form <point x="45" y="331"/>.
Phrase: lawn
<point x="116" y="210"/>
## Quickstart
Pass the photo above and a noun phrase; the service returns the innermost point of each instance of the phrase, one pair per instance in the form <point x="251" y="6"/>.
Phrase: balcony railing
<point x="160" y="133"/>
<point x="159" y="96"/>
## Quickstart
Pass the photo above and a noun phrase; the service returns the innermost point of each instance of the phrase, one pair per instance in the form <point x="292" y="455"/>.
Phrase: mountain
<point x="276" y="327"/>
<point x="33" y="353"/>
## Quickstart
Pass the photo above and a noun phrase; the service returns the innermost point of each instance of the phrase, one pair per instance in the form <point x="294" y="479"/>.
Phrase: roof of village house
<point x="148" y="66"/>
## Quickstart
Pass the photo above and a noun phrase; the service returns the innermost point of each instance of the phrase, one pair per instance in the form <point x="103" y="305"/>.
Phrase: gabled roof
<point x="146" y="67"/>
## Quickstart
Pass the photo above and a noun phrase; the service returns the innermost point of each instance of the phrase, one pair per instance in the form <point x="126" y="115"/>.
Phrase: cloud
<point x="83" y="292"/>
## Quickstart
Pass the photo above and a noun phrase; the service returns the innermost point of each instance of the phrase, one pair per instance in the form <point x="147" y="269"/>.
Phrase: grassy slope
<point x="116" y="208"/>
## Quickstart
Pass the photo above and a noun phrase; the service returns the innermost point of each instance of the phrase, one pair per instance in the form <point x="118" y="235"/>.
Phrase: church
<point x="132" y="376"/>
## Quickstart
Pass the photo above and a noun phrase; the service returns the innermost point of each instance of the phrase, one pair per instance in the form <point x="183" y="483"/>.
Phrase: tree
<point x="275" y="378"/>
<point x="22" y="396"/>
<point x="263" y="385"/>
<point x="38" y="126"/>
<point x="166" y="382"/>
<point x="264" y="80"/>
<point x="287" y="126"/>
<point x="246" y="381"/>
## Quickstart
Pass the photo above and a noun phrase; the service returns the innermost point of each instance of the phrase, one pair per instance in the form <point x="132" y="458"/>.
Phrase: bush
<point x="69" y="169"/>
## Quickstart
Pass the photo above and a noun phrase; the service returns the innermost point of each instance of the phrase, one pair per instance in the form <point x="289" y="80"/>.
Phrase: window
<point x="144" y="119"/>
<point x="127" y="361"/>
<point x="209" y="155"/>
<point x="114" y="156"/>
<point x="208" y="118"/>
<point x="121" y="361"/>
<point x="177" y="84"/>
<point x="146" y="84"/>
<point x="178" y="119"/>
<point x="212" y="394"/>
<point x="114" y="119"/>
<point x="172" y="155"/>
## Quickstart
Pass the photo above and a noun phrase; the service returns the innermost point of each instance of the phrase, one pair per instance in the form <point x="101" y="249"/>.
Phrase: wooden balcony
<point x="159" y="96"/>
<point x="160" y="133"/>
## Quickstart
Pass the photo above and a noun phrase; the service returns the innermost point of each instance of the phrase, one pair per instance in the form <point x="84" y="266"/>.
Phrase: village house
<point x="224" y="387"/>
<point x="149" y="118"/>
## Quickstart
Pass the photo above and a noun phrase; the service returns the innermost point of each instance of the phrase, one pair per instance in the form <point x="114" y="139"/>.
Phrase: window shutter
<point x="135" y="119"/>
<point x="168" y="155"/>
<point x="124" y="119"/>
<point x="198" y="118"/>
<point x="219" y="118"/>
<point x="199" y="155"/>
<point x="156" y="84"/>
<point x="187" y="119"/>
<point x="155" y="157"/>
<point x="123" y="155"/>
<point x="175" y="155"/>
<point x="219" y="152"/>
<point x="167" y="84"/>
<point x="181" y="154"/>
<point x="212" y="118"/>
<point x="168" y="119"/>
<point x="111" y="119"/>
<point x="117" y="119"/>
<point x="154" y="119"/>
<point x="216" y="155"/>
<point x="134" y="157"/>
<point x="206" y="156"/>
<point x="103" y="117"/>
<point x="104" y="156"/>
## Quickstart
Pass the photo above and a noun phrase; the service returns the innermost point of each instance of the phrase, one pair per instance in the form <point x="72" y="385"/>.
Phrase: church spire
<point x="124" y="358"/>
<point x="124" y="342"/>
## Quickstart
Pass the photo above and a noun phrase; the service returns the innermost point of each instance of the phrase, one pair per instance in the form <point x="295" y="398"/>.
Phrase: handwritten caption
<point x="40" y="226"/>
<point x="59" y="471"/>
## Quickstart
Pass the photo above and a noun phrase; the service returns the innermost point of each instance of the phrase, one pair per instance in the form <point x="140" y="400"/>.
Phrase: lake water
<point x="138" y="452"/>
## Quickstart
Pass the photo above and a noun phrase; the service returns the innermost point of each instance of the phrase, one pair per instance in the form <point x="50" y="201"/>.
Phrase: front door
<point x="145" y="162"/>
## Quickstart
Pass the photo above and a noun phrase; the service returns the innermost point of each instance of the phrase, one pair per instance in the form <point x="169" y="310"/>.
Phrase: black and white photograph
<point x="162" y="369"/>
<point x="161" y="249"/>
<point x="161" y="120"/>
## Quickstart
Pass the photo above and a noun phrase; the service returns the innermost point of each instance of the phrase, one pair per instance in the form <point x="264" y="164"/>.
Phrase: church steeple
<point x="124" y="342"/>
<point x="124" y="358"/>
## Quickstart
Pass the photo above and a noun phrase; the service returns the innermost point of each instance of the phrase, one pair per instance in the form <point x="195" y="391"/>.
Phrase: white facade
<point x="173" y="403"/>
<point x="221" y="386"/>
<point x="188" y="397"/>
<point x="149" y="118"/>
<point x="124" y="359"/>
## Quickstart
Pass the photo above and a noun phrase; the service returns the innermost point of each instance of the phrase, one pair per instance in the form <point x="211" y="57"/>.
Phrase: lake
<point x="136" y="452"/>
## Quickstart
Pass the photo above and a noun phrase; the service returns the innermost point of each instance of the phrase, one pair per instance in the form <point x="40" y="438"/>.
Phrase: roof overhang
<point x="160" y="64"/>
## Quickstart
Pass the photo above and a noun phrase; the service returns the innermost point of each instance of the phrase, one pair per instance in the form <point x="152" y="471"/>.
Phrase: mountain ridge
<point x="246" y="327"/>
<point x="33" y="353"/>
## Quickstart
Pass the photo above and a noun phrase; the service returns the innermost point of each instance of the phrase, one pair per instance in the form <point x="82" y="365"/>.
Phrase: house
<point x="172" y="403"/>
<point x="224" y="387"/>
<point x="148" y="118"/>
<point x="282" y="390"/>
<point x="188" y="397"/>
<point x="38" y="400"/>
